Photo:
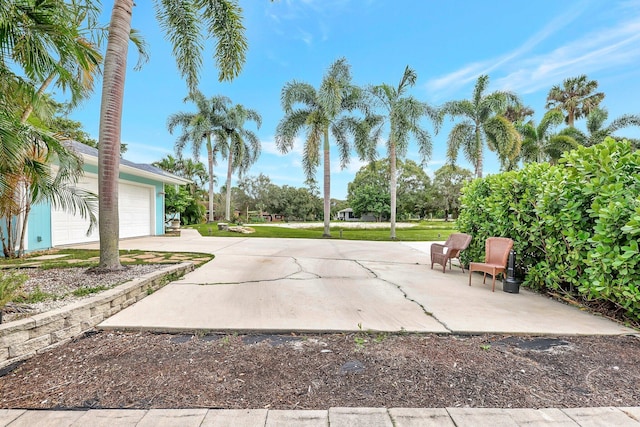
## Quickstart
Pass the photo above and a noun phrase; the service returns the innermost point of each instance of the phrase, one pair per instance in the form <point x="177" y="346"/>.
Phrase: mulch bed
<point x="148" y="370"/>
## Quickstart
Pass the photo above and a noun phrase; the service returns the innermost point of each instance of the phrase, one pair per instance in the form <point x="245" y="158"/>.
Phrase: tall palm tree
<point x="77" y="67"/>
<point x="240" y="146"/>
<point x="44" y="41"/>
<point x="320" y="112"/>
<point x="201" y="127"/>
<point x="597" y="131"/>
<point x="402" y="114"/>
<point x="575" y="97"/>
<point x="182" y="21"/>
<point x="483" y="120"/>
<point x="540" y="143"/>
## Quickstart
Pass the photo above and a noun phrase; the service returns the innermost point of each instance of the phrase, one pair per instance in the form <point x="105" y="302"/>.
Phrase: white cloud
<point x="269" y="147"/>
<point x="305" y="36"/>
<point x="440" y="87"/>
<point x="354" y="165"/>
<point x="601" y="49"/>
<point x="144" y="153"/>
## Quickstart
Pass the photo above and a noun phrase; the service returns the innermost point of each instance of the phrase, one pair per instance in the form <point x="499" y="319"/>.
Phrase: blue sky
<point x="525" y="47"/>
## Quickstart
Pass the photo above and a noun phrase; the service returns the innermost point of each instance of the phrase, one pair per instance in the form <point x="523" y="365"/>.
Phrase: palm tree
<point x="196" y="172"/>
<point x="540" y="144"/>
<point x="240" y="146"/>
<point x="321" y="111"/>
<point x="44" y="41"/>
<point x="39" y="182"/>
<point x="201" y="127"/>
<point x="182" y="21"/>
<point x="403" y="114"/>
<point x="575" y="97"/>
<point x="597" y="131"/>
<point x="483" y="121"/>
<point x="76" y="68"/>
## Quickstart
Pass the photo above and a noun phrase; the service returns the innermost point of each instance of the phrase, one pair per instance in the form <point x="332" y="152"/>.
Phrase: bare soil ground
<point x="146" y="370"/>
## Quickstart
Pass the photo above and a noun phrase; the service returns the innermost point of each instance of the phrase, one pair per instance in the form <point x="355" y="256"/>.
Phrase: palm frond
<point x="179" y="19"/>
<point x="224" y="19"/>
<point x="409" y="78"/>
<point x="623" y="121"/>
<point x="298" y="92"/>
<point x="290" y="125"/>
<point x="311" y="151"/>
<point x="503" y="138"/>
<point x="461" y="135"/>
<point x="141" y="46"/>
<point x="340" y="131"/>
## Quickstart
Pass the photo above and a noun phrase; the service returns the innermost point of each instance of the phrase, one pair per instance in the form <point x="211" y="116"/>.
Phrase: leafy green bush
<point x="575" y="225"/>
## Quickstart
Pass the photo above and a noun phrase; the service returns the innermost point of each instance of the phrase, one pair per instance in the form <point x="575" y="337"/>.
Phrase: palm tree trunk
<point x="570" y="117"/>
<point x="228" y="200"/>
<point x="327" y="186"/>
<point x="23" y="231"/>
<point x="479" y="159"/>
<point x="211" y="178"/>
<point x="393" y="186"/>
<point x="115" y="67"/>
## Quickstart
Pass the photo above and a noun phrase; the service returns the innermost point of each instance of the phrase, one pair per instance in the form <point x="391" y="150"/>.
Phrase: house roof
<point x="90" y="155"/>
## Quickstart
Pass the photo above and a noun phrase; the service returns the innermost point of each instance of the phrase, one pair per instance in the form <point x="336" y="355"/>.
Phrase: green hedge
<point x="575" y="225"/>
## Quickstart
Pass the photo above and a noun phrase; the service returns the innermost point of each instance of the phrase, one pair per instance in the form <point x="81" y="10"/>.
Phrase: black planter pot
<point x="510" y="284"/>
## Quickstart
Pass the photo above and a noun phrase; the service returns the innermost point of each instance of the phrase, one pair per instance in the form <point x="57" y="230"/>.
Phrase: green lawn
<point x="424" y="231"/>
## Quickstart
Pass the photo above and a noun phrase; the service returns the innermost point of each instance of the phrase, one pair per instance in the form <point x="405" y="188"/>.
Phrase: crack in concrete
<point x="405" y="295"/>
<point x="288" y="276"/>
<point x="302" y="270"/>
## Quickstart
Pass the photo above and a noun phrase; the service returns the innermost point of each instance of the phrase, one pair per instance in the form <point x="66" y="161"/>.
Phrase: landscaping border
<point x="21" y="339"/>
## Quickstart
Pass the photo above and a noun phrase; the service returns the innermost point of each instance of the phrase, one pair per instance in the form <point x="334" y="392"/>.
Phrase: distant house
<point x="272" y="217"/>
<point x="347" y="215"/>
<point x="140" y="204"/>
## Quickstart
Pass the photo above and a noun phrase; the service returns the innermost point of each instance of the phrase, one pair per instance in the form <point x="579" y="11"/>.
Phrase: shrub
<point x="10" y="284"/>
<point x="575" y="226"/>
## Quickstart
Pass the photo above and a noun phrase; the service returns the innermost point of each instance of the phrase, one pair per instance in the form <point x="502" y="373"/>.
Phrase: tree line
<point x="359" y="119"/>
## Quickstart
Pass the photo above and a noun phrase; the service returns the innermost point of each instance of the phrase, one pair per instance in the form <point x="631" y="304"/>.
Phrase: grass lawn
<point x="423" y="231"/>
<point x="87" y="258"/>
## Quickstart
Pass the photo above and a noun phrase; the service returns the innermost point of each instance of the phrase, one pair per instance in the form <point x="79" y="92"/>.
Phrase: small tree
<point x="448" y="183"/>
<point x="176" y="201"/>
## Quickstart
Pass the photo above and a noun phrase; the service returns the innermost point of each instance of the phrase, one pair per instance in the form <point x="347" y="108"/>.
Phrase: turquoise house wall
<point x="39" y="227"/>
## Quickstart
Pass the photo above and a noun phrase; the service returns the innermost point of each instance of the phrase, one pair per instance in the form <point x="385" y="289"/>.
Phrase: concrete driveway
<point x="300" y="285"/>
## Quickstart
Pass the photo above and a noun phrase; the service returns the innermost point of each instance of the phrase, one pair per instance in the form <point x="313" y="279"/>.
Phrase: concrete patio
<point x="299" y="285"/>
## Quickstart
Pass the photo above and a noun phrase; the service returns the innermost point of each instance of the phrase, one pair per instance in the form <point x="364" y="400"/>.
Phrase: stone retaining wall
<point x="23" y="338"/>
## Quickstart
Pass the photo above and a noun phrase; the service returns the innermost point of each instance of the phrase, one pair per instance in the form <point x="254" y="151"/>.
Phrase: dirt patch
<point x="145" y="370"/>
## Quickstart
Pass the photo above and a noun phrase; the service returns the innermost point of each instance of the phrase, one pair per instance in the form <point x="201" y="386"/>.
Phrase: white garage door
<point x="135" y="205"/>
